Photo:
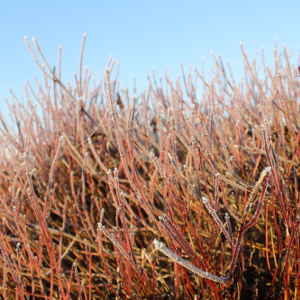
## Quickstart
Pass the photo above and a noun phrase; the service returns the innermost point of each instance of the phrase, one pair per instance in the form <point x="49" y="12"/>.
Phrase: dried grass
<point x="89" y="184"/>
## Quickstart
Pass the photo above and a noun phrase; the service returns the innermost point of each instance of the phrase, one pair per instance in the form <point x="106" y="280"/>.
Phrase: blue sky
<point x="140" y="35"/>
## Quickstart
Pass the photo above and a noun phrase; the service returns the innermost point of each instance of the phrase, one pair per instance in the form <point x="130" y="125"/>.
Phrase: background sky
<point x="140" y="35"/>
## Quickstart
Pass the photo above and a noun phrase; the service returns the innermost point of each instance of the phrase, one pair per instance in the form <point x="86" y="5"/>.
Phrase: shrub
<point x="172" y="194"/>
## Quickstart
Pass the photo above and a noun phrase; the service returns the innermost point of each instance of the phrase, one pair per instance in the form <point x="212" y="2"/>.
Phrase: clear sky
<point x="140" y="35"/>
